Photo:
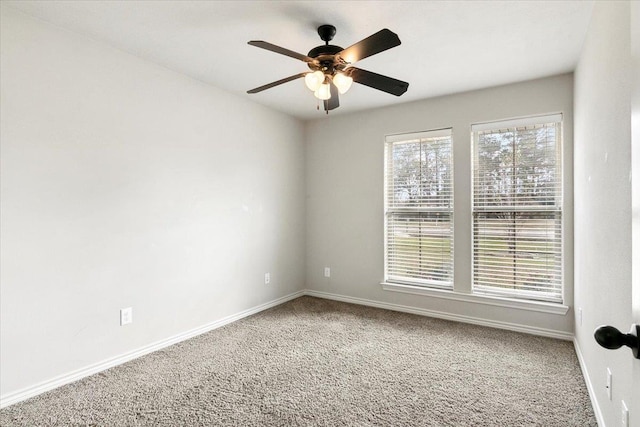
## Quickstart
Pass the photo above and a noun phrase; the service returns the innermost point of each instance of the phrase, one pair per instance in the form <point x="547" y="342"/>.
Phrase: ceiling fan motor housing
<point x="327" y="60"/>
<point x="326" y="57"/>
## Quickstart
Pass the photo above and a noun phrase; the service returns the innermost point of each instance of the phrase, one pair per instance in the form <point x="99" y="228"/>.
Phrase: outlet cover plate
<point x="327" y="272"/>
<point x="580" y="316"/>
<point x="267" y="278"/>
<point x="126" y="316"/>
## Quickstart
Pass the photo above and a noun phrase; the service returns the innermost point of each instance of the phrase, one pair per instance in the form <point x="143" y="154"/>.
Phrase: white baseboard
<point x="590" y="389"/>
<point x="32" y="391"/>
<point x="447" y="316"/>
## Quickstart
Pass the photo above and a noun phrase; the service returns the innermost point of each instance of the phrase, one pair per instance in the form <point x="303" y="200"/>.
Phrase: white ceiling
<point x="447" y="46"/>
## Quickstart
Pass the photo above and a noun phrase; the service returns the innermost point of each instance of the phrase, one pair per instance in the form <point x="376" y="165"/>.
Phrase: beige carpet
<point x="318" y="362"/>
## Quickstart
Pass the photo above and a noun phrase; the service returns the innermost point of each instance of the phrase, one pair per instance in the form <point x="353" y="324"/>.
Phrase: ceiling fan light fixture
<point x="324" y="92"/>
<point x="314" y="80"/>
<point x="342" y="82"/>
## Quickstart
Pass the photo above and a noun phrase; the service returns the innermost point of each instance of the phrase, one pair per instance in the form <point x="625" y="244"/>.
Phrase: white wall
<point x="635" y="192"/>
<point x="345" y="195"/>
<point x="603" y="200"/>
<point x="125" y="184"/>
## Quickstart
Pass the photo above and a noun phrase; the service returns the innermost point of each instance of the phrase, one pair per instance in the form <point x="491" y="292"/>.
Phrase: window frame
<point x="558" y="209"/>
<point x="390" y="142"/>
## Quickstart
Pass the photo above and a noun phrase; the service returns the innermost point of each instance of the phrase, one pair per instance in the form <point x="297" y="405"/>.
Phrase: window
<point x="517" y="208"/>
<point x="419" y="209"/>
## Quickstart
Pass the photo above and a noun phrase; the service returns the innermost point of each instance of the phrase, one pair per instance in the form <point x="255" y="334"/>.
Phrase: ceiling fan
<point x="331" y="70"/>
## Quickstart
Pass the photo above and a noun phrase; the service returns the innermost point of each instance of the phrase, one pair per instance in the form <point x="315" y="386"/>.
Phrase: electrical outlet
<point x="327" y="272"/>
<point x="608" y="386"/>
<point x="580" y="316"/>
<point x="126" y="316"/>
<point x="625" y="415"/>
<point x="267" y="278"/>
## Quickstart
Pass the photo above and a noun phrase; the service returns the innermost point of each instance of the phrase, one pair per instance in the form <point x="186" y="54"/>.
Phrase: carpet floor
<point x="317" y="362"/>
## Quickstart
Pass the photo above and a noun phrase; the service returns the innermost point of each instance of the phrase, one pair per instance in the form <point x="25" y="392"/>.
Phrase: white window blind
<point x="419" y="209"/>
<point x="517" y="208"/>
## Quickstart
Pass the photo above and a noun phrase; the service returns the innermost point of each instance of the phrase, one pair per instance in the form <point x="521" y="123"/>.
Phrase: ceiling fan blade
<point x="276" y="83"/>
<point x="376" y="43"/>
<point x="333" y="102"/>
<point x="377" y="81"/>
<point x="280" y="50"/>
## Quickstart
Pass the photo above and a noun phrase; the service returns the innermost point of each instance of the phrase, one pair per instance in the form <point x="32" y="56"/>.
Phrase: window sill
<point x="543" y="307"/>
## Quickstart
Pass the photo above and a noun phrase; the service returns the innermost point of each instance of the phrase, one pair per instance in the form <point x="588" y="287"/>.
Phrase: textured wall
<point x="603" y="199"/>
<point x="635" y="150"/>
<point x="125" y="184"/>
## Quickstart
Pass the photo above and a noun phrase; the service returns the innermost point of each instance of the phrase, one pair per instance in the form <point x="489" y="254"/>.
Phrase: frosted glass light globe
<point x="323" y="92"/>
<point x="342" y="82"/>
<point x="314" y="80"/>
